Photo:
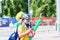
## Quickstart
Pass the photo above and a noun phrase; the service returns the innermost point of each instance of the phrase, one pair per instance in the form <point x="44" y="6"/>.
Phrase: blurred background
<point x="38" y="9"/>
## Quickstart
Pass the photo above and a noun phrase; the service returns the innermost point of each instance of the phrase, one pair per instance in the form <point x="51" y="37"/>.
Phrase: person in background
<point x="26" y="21"/>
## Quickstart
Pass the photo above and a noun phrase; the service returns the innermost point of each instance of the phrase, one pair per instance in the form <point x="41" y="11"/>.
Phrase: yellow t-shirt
<point x="22" y="28"/>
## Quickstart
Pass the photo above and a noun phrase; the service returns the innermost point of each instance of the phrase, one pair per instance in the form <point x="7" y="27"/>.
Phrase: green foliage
<point x="41" y="8"/>
<point x="12" y="7"/>
<point x="45" y="8"/>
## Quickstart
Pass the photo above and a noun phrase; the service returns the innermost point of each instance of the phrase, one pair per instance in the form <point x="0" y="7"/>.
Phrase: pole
<point x="28" y="6"/>
<point x="58" y="15"/>
<point x="0" y="6"/>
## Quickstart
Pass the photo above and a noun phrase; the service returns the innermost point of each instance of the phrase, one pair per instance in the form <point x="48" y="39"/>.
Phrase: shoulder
<point x="22" y="26"/>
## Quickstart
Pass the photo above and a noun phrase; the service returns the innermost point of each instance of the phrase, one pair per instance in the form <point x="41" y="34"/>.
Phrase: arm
<point x="22" y="34"/>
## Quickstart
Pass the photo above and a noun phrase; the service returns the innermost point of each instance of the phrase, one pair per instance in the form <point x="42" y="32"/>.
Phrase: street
<point x="43" y="33"/>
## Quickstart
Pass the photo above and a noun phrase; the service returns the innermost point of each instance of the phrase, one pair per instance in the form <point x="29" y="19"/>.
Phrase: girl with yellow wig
<point x="22" y="29"/>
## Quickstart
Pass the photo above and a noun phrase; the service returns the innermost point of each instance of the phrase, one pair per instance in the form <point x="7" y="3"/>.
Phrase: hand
<point x="29" y="30"/>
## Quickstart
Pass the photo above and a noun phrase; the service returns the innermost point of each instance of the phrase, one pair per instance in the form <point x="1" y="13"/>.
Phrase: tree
<point x="47" y="8"/>
<point x="12" y="7"/>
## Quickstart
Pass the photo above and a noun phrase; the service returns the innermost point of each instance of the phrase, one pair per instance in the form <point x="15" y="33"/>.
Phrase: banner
<point x="4" y="22"/>
<point x="45" y="21"/>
